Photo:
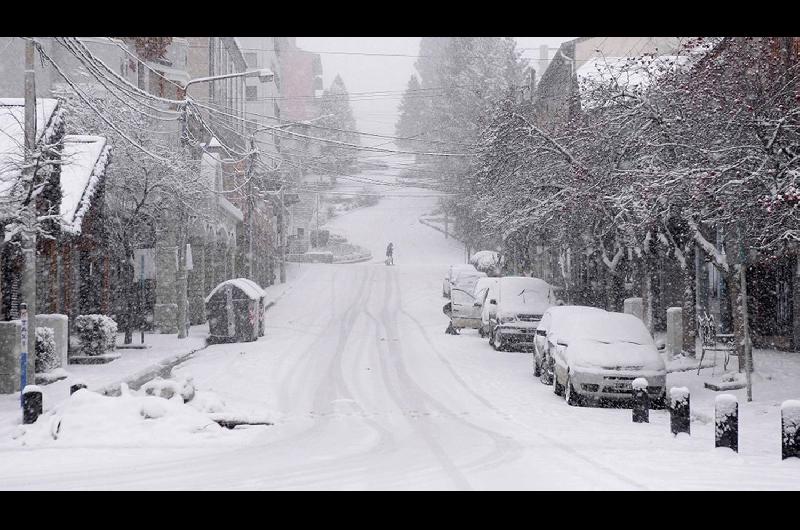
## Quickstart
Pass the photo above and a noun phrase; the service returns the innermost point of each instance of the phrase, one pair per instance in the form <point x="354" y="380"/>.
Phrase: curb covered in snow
<point x="160" y="369"/>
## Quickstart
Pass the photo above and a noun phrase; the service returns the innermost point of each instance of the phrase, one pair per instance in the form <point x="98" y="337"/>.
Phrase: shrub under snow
<point x="46" y="355"/>
<point x="97" y="333"/>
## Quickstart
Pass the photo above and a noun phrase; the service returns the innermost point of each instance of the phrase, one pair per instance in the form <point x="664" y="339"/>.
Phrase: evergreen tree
<point x="412" y="113"/>
<point x="336" y="123"/>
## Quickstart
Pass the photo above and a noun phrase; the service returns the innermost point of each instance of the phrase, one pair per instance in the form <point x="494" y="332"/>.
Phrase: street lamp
<point x="264" y="75"/>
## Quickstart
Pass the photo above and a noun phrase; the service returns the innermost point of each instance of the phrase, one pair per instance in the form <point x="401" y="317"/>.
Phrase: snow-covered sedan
<point x="598" y="356"/>
<point x="554" y="321"/>
<point x="513" y="309"/>
<point x="452" y="273"/>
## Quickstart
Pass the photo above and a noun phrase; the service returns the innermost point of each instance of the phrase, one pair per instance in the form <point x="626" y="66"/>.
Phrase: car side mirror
<point x="492" y="302"/>
<point x="477" y="304"/>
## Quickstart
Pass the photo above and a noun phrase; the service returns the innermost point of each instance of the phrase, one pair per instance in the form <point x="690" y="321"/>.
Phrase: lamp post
<point x="265" y="75"/>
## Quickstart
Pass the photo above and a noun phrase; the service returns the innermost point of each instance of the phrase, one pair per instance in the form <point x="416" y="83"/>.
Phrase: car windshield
<point x="526" y="294"/>
<point x="609" y="328"/>
<point x="467" y="279"/>
<point x="459" y="296"/>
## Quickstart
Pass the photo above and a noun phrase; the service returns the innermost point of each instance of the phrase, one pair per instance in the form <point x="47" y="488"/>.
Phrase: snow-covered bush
<point x="97" y="333"/>
<point x="46" y="355"/>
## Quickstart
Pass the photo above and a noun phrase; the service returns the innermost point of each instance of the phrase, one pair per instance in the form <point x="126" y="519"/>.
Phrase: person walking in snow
<point x="390" y="254"/>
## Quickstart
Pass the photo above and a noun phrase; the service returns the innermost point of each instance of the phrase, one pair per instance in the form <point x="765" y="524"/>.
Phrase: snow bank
<point x="90" y="419"/>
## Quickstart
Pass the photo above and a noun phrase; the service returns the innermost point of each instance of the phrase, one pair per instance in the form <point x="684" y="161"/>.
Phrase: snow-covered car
<point x="598" y="355"/>
<point x="452" y="272"/>
<point x="465" y="312"/>
<point x="487" y="261"/>
<point x="554" y="321"/>
<point x="513" y="308"/>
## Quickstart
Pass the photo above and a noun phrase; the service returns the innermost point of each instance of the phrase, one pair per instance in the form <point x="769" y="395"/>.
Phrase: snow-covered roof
<point x="84" y="160"/>
<point x="632" y="74"/>
<point x="635" y="74"/>
<point x="248" y="287"/>
<point x="12" y="135"/>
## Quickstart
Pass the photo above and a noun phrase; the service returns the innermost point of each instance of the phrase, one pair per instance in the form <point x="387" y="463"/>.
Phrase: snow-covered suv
<point x="513" y="308"/>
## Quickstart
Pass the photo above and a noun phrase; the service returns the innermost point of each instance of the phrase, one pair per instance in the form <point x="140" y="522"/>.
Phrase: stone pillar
<point x="196" y="283"/>
<point x="674" y="332"/>
<point x="10" y="351"/>
<point x="220" y="261"/>
<point x="634" y="306"/>
<point x="165" y="312"/>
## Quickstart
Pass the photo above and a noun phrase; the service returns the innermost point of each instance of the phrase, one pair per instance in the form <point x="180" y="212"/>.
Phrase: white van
<point x="513" y="308"/>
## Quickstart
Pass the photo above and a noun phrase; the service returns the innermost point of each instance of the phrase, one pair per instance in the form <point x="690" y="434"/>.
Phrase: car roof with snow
<point x="607" y="327"/>
<point x="562" y="316"/>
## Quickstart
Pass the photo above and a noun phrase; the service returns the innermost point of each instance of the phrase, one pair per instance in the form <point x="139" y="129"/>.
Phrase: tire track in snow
<point x="506" y="449"/>
<point x="553" y="441"/>
<point x="403" y="396"/>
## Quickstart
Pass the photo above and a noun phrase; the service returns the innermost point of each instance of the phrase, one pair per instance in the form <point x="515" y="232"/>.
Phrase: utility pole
<point x="28" y="287"/>
<point x="748" y="349"/>
<point x="282" y="226"/>
<point x="250" y="200"/>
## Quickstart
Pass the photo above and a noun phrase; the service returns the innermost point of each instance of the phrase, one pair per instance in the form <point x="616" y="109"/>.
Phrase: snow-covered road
<point x="367" y="392"/>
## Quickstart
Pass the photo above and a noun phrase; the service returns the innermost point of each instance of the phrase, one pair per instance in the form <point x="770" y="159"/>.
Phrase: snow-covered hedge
<point x="97" y="333"/>
<point x="46" y="356"/>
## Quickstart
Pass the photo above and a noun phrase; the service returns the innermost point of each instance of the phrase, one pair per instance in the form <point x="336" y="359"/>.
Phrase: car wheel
<point x="537" y="369"/>
<point x="572" y="397"/>
<point x="546" y="376"/>
<point x="499" y="344"/>
<point x="557" y="388"/>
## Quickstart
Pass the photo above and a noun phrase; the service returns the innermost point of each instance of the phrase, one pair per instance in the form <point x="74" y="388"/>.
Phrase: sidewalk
<point x="776" y="378"/>
<point x="134" y="367"/>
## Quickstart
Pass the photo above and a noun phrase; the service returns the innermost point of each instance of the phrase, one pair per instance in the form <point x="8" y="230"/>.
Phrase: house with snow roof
<point x="72" y="264"/>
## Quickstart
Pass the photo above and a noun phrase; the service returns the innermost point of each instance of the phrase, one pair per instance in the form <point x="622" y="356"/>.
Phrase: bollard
<point x="74" y="388"/>
<point x="679" y="410"/>
<point x="31" y="404"/>
<point x="726" y="417"/>
<point x="790" y="429"/>
<point x="641" y="401"/>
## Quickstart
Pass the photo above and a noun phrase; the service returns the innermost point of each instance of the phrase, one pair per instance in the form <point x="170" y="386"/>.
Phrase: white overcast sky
<point x="364" y="73"/>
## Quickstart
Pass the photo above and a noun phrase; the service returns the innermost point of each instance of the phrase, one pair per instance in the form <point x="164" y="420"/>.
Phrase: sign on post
<point x="23" y="357"/>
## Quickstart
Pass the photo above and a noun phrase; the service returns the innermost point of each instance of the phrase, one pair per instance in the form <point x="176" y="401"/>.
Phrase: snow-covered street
<point x="367" y="392"/>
